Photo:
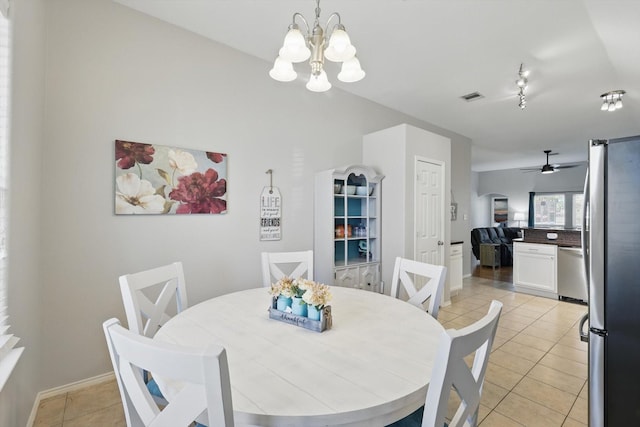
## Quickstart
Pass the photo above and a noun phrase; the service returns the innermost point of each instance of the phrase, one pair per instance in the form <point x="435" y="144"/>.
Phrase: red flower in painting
<point x="215" y="157"/>
<point x="200" y="193"/>
<point x="130" y="153"/>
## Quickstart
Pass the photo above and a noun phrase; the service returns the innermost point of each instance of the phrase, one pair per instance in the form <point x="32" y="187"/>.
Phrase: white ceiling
<point x="422" y="55"/>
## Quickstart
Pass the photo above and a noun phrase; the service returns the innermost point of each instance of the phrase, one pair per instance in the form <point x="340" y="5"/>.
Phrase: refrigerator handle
<point x="584" y="236"/>
<point x="584" y="336"/>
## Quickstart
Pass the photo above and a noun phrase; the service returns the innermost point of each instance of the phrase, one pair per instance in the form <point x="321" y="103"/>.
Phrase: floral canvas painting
<point x="156" y="179"/>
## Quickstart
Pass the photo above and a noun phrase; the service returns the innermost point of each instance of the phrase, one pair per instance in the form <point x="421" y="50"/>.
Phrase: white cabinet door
<point x="535" y="268"/>
<point x="365" y="276"/>
<point x="455" y="269"/>
<point x="347" y="277"/>
<point x="370" y="277"/>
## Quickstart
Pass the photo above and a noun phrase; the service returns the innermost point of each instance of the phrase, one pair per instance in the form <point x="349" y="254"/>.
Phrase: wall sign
<point x="270" y="214"/>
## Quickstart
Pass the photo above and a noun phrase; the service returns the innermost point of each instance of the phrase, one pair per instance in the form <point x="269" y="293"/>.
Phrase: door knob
<point x="440" y="243"/>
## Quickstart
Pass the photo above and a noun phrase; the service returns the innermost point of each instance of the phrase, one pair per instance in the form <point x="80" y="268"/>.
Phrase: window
<point x="549" y="210"/>
<point x="557" y="210"/>
<point x="576" y="217"/>
<point x="8" y="354"/>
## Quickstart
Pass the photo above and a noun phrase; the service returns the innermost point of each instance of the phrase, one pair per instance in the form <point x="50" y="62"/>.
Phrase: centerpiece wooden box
<point x="304" y="322"/>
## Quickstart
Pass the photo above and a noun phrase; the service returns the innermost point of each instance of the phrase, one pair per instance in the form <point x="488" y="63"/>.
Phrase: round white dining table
<point x="370" y="369"/>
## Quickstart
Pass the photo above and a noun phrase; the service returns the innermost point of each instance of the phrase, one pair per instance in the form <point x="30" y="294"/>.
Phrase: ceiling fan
<point x="548" y="168"/>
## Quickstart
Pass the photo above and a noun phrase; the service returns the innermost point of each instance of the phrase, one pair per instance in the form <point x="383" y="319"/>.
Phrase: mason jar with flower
<point x="282" y="290"/>
<point x="316" y="295"/>
<point x="298" y="306"/>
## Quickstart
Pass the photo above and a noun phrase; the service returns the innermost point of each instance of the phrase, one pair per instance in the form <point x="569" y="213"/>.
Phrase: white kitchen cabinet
<point x="346" y="238"/>
<point x="454" y="275"/>
<point x="535" y="268"/>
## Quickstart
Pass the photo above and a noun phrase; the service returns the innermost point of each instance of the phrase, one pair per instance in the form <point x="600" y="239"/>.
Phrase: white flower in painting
<point x="137" y="196"/>
<point x="182" y="161"/>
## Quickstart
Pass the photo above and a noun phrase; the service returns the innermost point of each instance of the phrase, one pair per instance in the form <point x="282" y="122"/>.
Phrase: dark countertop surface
<point x="565" y="238"/>
<point x="552" y="242"/>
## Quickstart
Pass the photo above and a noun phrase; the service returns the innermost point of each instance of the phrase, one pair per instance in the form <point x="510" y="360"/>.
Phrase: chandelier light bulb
<point x="283" y="71"/>
<point x="340" y="48"/>
<point x="319" y="82"/>
<point x="612" y="107"/>
<point x="294" y="48"/>
<point x="619" y="103"/>
<point x="351" y="71"/>
<point x="605" y="106"/>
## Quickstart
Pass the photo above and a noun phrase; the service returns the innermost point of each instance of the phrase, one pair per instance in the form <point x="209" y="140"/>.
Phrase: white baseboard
<point x="46" y="394"/>
<point x="466" y="275"/>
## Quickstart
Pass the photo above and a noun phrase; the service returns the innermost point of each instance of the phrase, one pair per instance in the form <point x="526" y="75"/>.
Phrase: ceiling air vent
<point x="472" y="96"/>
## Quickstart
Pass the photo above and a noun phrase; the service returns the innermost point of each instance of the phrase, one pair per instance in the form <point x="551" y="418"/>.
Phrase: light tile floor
<point x="537" y="371"/>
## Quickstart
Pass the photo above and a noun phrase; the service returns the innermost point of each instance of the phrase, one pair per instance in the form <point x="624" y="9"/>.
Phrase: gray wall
<point x="461" y="193"/>
<point x="111" y="73"/>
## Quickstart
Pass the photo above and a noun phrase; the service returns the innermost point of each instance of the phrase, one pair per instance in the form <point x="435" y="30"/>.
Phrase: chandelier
<point x="332" y="43"/>
<point x="522" y="85"/>
<point x="612" y="101"/>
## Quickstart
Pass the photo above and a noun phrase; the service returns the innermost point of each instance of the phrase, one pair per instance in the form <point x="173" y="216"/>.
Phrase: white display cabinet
<point x="346" y="238"/>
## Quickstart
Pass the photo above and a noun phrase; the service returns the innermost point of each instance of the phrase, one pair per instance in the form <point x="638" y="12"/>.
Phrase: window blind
<point x="9" y="354"/>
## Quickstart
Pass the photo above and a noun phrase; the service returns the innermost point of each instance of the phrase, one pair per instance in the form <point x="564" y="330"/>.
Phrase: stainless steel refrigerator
<point x="611" y="237"/>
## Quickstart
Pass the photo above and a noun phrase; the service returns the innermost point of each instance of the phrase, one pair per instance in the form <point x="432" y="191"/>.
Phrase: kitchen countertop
<point x="565" y="238"/>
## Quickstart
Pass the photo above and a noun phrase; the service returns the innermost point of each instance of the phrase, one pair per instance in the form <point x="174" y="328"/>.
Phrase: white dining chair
<point x="205" y="392"/>
<point x="451" y="372"/>
<point x="407" y="272"/>
<point x="147" y="297"/>
<point x="276" y="265"/>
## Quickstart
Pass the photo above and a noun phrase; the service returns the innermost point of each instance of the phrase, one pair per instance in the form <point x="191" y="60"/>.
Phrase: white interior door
<point x="429" y="218"/>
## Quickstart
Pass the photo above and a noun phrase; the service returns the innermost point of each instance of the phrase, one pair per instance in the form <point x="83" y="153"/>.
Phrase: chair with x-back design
<point x="203" y="374"/>
<point x="147" y="297"/>
<point x="300" y="265"/>
<point x="451" y="372"/>
<point x="407" y="272"/>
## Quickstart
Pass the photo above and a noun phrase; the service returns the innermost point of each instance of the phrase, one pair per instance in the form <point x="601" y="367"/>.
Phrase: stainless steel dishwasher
<point x="572" y="282"/>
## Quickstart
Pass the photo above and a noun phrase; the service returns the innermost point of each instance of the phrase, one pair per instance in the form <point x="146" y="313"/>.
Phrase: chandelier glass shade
<point x="612" y="101"/>
<point x="332" y="43"/>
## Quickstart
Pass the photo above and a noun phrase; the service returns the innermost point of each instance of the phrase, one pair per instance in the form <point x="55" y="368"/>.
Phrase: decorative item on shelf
<point x="315" y="46"/>
<point x="351" y="190"/>
<point x="309" y="307"/>
<point x="362" y="190"/>
<point x="363" y="249"/>
<point x="340" y="231"/>
<point x="337" y="188"/>
<point x="360" y="230"/>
